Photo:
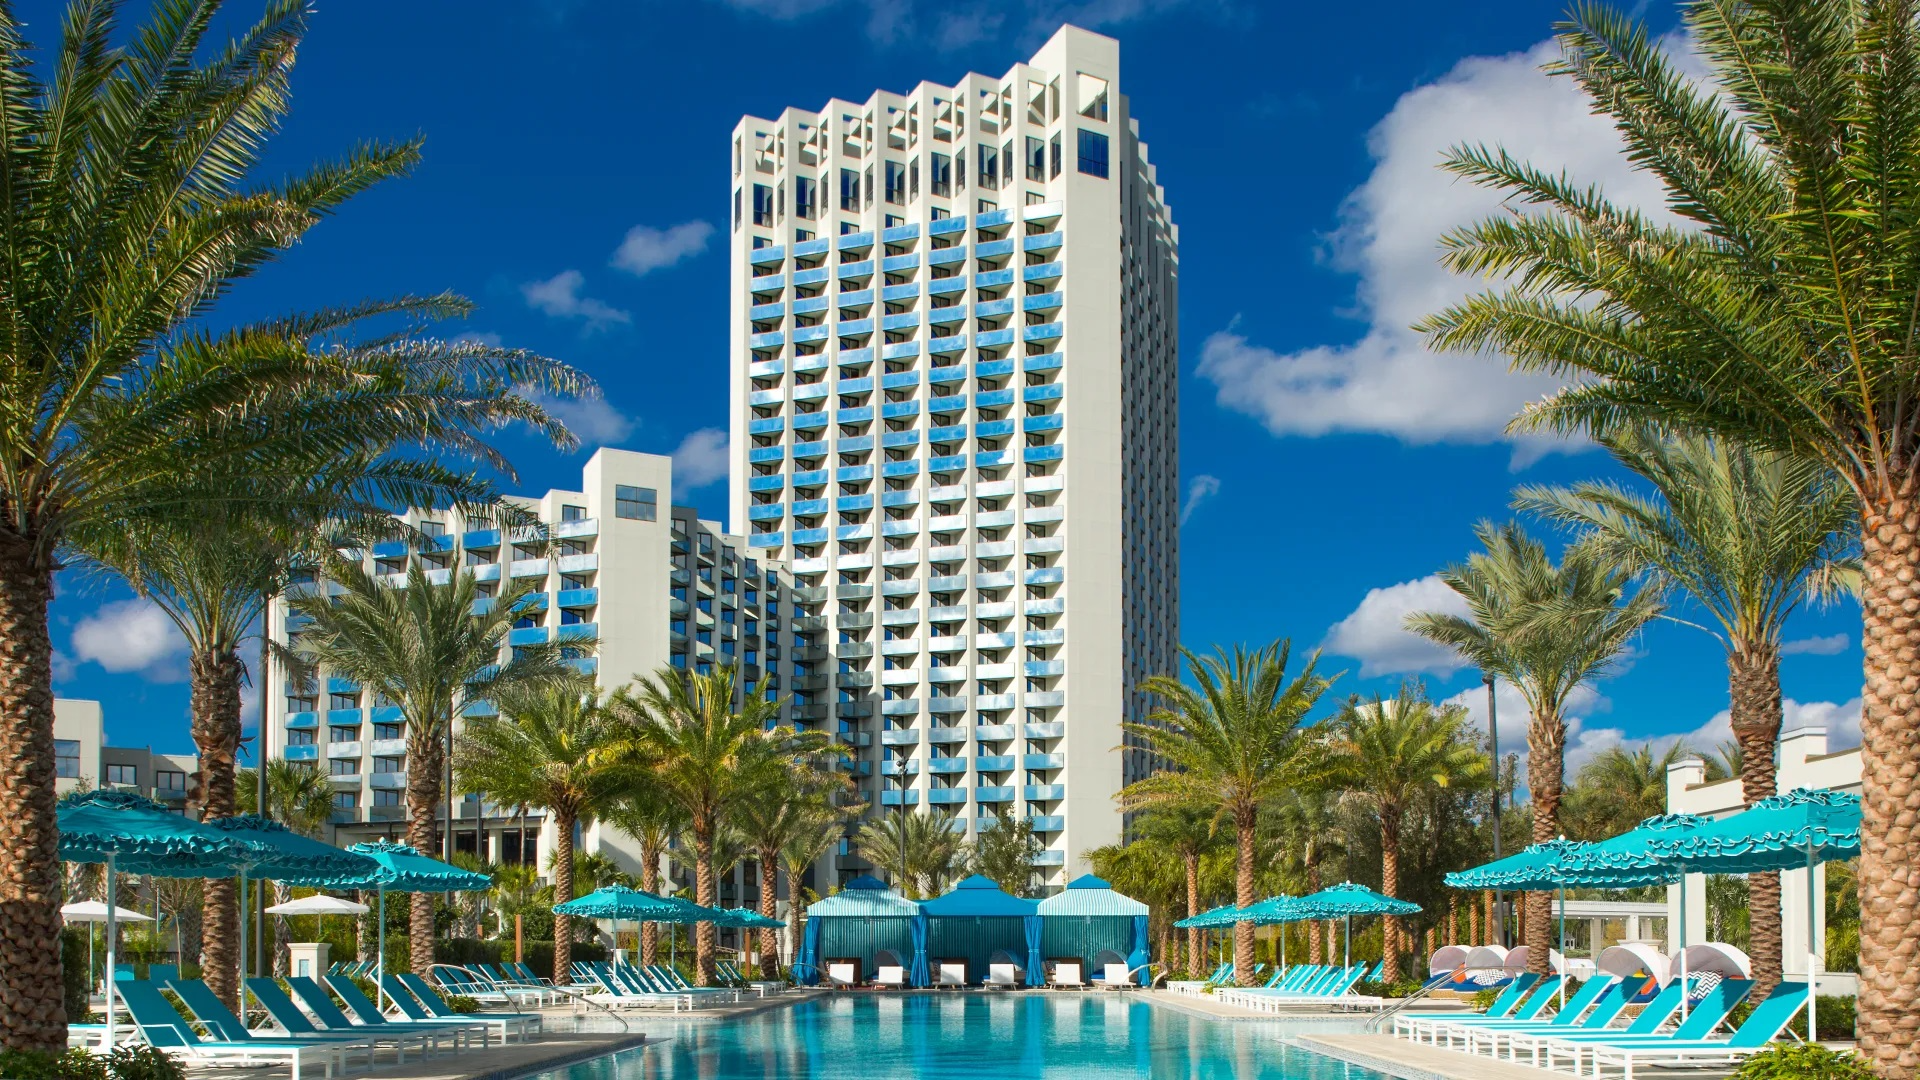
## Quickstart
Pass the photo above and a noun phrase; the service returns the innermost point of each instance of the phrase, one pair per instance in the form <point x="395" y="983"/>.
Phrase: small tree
<point x="1005" y="850"/>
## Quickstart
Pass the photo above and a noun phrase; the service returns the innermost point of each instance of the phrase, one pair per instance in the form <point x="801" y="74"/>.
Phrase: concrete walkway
<point x="1414" y="1061"/>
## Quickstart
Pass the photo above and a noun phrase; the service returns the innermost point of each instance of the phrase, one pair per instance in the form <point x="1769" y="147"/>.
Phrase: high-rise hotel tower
<point x="954" y="378"/>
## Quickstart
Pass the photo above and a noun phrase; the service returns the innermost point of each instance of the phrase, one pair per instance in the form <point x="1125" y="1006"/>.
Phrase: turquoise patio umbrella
<point x="1273" y="911"/>
<point x="621" y="903"/>
<point x="1629" y="861"/>
<point x="132" y="833"/>
<point x="288" y="857"/>
<point x="1802" y="828"/>
<point x="1346" y="900"/>
<point x="1541" y="867"/>
<point x="401" y="868"/>
<point x="749" y="919"/>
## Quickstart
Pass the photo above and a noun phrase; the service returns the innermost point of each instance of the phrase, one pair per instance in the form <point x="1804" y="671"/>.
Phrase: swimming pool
<point x="995" y="1037"/>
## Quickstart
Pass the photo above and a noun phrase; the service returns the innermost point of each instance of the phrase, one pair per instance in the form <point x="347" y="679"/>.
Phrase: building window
<point x="849" y="190"/>
<point x="573" y="513"/>
<point x="1054" y="171"/>
<point x="433" y="528"/>
<point x="736" y="209"/>
<point x="1093" y="153"/>
<point x="343" y="767"/>
<point x="123" y="774"/>
<point x="636" y="503"/>
<point x="343" y="701"/>
<point x="804" y="191"/>
<point x="387" y="731"/>
<point x="762" y="204"/>
<point x="389" y="765"/>
<point x="301" y="703"/>
<point x="869" y="186"/>
<point x="913" y="179"/>
<point x="989" y="167"/>
<point x="896" y="183"/>
<point x="1036" y="158"/>
<point x="300" y="737"/>
<point x="169" y="780"/>
<point x="66" y="758"/>
<point x="940" y="180"/>
<point x="343" y="734"/>
<point x="346" y="800"/>
<point x="385" y="797"/>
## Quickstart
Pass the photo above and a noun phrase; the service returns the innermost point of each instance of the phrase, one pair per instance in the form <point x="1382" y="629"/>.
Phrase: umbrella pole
<point x="1562" y="991"/>
<point x="242" y="991"/>
<point x="1684" y="989"/>
<point x="380" y="966"/>
<point x="1347" y="943"/>
<point x="113" y="897"/>
<point x="1813" y="979"/>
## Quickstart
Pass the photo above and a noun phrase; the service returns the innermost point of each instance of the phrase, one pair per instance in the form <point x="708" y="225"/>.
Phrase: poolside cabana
<point x="1088" y="921"/>
<point x="858" y="923"/>
<point x="973" y="922"/>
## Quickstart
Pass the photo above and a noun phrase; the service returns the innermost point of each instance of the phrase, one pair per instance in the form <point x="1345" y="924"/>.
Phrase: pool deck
<point x="1412" y="1061"/>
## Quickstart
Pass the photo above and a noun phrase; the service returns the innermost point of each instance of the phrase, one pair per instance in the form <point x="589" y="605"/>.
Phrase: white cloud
<point x="559" y="296"/>
<point x="700" y="459"/>
<point x="1583" y="740"/>
<point x="1830" y="645"/>
<point x="647" y="249"/>
<point x="132" y="636"/>
<point x="594" y="420"/>
<point x="1199" y="490"/>
<point x="1840" y="719"/>
<point x="1375" y="632"/>
<point x="1387" y="382"/>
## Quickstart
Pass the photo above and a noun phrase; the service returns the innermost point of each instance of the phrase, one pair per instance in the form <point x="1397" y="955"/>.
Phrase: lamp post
<point x="1493" y="747"/>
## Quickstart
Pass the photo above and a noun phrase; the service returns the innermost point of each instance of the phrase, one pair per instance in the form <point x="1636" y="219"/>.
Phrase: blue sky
<point x="576" y="151"/>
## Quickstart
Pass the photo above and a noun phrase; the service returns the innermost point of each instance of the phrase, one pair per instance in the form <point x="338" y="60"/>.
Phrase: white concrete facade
<point x="955" y="410"/>
<point x="650" y="583"/>
<point x="82" y="757"/>
<point x="1803" y="762"/>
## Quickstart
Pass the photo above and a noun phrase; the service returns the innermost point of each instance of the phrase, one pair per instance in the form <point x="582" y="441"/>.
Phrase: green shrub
<point x="1484" y="999"/>
<point x="460" y="1003"/>
<point x="36" y="1065"/>
<point x="1399" y="988"/>
<point x="1790" y="1062"/>
<point x="73" y="959"/>
<point x="143" y="1063"/>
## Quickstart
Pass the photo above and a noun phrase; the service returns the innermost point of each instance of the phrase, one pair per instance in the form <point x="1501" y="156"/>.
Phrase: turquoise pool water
<point x="978" y="1036"/>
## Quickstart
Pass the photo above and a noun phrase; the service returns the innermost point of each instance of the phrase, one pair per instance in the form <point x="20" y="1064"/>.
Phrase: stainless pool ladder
<point x="1385" y="1016"/>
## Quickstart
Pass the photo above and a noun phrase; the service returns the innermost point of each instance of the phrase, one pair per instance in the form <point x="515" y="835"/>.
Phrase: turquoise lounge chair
<point x="1545" y="993"/>
<point x="165" y="1030"/>
<point x="1412" y="1023"/>
<point x="296" y="1025"/>
<point x="367" y="1012"/>
<point x="1753" y="1035"/>
<point x="1604" y="995"/>
<point x="315" y="998"/>
<point x="1701" y="1020"/>
<point x="507" y="1024"/>
<point x="1653" y="1016"/>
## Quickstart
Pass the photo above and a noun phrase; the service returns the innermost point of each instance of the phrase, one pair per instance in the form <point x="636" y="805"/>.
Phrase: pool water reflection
<point x="995" y="1037"/>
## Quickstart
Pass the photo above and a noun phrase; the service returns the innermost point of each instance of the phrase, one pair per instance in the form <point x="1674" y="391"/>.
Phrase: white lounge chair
<point x="1002" y="977"/>
<point x="1066" y="976"/>
<point x="890" y="977"/>
<point x="843" y="976"/>
<point x="952" y="974"/>
<point x="1117" y="977"/>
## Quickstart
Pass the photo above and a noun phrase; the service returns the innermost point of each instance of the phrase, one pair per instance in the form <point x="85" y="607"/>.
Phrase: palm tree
<point x="708" y="754"/>
<point x="1004" y="851"/>
<point x="928" y="853"/>
<point x="1548" y="630"/>
<point x="428" y="648"/>
<point x="1388" y="753"/>
<point x="1234" y="743"/>
<point x="300" y="797"/>
<point x="1184" y="833"/>
<point x="134" y="157"/>
<point x="771" y="820"/>
<point x="804" y="850"/>
<point x="1781" y="316"/>
<point x="549" y="746"/>
<point x="653" y="820"/>
<point x="1306" y="819"/>
<point x="1748" y="534"/>
<point x="1620" y="787"/>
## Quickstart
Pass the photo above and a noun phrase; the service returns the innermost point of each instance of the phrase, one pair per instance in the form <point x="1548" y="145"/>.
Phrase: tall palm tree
<point x="770" y="820"/>
<point x="1234" y="742"/>
<point x="643" y="812"/>
<point x="1749" y="535"/>
<point x="1781" y="315"/>
<point x="1185" y="833"/>
<point x="929" y="855"/>
<point x="429" y="649"/>
<point x="549" y="746"/>
<point x="1548" y="630"/>
<point x="299" y="796"/>
<point x="134" y="157"/>
<point x="1386" y="753"/>
<point x="708" y="754"/>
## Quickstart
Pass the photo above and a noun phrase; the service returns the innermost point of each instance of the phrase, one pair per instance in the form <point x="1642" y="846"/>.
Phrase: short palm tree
<point x="771" y="820"/>
<point x="132" y="207"/>
<point x="1548" y="630"/>
<point x="1003" y="850"/>
<point x="1306" y="821"/>
<point x="1749" y="535"/>
<point x="924" y="851"/>
<point x="804" y="850"/>
<point x="643" y="812"/>
<point x="549" y="746"/>
<point x="1233" y="740"/>
<point x="1184" y="833"/>
<point x="1388" y="753"/>
<point x="1621" y="787"/>
<point x="709" y="747"/>
<point x="1780" y="314"/>
<point x="429" y="649"/>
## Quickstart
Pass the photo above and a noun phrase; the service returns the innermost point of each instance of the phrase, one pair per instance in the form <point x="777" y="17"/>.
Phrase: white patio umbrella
<point x="93" y="911"/>
<point x="319" y="904"/>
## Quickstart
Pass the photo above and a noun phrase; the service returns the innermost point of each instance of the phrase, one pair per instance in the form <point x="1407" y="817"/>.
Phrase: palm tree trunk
<point x="1194" y="955"/>
<point x="422" y="794"/>
<point x="1546" y="766"/>
<point x="705" y="936"/>
<point x="1753" y="684"/>
<point x="1244" y="819"/>
<point x="1390" y="885"/>
<point x="769" y="898"/>
<point x="215" y="707"/>
<point x="1889" y="999"/>
<point x="649" y="882"/>
<point x="32" y="1005"/>
<point x="1313" y="928"/>
<point x="562" y="892"/>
